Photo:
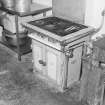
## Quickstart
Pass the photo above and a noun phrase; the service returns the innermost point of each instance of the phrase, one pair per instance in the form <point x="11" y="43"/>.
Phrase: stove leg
<point x="17" y="35"/>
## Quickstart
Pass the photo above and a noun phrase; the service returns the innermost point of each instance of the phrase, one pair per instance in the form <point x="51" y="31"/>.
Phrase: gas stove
<point x="58" y="42"/>
<point x="58" y="26"/>
<point x="57" y="46"/>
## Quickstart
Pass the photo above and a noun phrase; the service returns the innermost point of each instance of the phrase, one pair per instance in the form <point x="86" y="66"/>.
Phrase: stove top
<point x="58" y="26"/>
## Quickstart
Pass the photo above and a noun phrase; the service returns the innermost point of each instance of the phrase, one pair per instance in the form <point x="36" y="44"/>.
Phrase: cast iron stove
<point x="58" y="26"/>
<point x="57" y="29"/>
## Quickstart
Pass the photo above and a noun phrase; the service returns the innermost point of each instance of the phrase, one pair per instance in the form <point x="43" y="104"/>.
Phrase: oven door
<point x="74" y="66"/>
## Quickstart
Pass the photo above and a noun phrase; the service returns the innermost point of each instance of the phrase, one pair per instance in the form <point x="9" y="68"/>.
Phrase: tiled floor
<point x="20" y="86"/>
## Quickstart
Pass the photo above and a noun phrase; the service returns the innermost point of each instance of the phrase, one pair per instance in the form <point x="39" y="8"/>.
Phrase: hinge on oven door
<point x="88" y="48"/>
<point x="69" y="53"/>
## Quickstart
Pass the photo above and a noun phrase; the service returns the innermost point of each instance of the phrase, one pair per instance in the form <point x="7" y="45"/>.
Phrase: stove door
<point x="37" y="50"/>
<point x="74" y="66"/>
<point x="53" y="65"/>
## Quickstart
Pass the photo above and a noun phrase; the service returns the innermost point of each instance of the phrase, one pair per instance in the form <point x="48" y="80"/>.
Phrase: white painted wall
<point x="93" y="16"/>
<point x="93" y="12"/>
<point x="72" y="10"/>
<point x="44" y="2"/>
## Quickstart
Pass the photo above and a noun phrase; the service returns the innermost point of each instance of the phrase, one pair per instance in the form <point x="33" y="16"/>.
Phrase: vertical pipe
<point x="17" y="36"/>
<point x="66" y="72"/>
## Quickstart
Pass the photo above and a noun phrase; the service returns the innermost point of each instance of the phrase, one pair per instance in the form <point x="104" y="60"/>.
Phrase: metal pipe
<point x="17" y="35"/>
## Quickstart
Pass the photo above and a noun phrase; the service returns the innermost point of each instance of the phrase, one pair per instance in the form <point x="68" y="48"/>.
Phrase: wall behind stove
<point x="93" y="12"/>
<point x="93" y="16"/>
<point x="69" y="9"/>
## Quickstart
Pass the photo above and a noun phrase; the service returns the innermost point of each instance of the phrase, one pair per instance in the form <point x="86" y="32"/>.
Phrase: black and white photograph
<point x="52" y="52"/>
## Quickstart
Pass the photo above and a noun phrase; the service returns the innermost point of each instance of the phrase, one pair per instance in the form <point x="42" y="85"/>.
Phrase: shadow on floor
<point x="20" y="86"/>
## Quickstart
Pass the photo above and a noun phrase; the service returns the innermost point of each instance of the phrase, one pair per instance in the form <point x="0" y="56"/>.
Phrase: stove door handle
<point x="42" y="62"/>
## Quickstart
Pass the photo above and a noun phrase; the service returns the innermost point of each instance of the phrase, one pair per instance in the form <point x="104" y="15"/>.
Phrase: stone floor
<point x="20" y="86"/>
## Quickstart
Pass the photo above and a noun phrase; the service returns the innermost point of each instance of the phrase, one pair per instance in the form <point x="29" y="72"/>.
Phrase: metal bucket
<point x="23" y="5"/>
<point x="7" y="3"/>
